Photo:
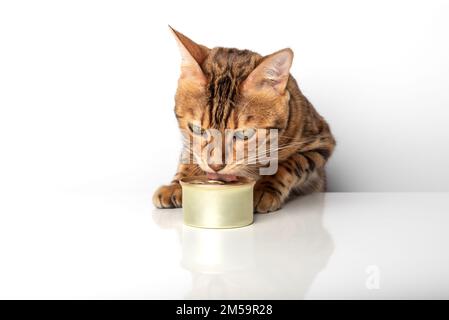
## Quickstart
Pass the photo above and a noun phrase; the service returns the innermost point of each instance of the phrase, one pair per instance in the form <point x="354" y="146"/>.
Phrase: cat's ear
<point x="271" y="73"/>
<point x="193" y="55"/>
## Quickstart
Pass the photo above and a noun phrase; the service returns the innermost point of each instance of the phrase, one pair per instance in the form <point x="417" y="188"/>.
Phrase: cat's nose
<point x="217" y="167"/>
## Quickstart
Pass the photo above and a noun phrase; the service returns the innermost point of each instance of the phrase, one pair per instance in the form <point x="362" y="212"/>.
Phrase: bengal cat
<point x="226" y="88"/>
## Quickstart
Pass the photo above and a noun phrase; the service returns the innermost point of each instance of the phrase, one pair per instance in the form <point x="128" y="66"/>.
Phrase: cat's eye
<point x="196" y="129"/>
<point x="245" y="134"/>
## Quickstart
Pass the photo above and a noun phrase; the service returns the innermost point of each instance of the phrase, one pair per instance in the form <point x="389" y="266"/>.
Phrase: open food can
<point x="217" y="204"/>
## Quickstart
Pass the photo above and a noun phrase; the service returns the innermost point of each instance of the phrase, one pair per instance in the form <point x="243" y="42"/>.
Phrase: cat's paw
<point x="168" y="196"/>
<point x="266" y="201"/>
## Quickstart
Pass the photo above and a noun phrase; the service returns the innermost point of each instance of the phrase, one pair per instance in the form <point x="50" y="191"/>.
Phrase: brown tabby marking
<point x="226" y="69"/>
<point x="224" y="88"/>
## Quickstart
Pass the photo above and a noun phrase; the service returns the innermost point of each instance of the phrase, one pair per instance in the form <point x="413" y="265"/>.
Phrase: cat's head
<point x="223" y="89"/>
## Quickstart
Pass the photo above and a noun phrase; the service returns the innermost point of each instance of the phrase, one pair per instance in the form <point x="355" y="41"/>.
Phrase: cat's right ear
<point x="272" y="73"/>
<point x="193" y="55"/>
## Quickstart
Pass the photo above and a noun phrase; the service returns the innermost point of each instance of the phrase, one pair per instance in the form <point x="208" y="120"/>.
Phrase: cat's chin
<point x="222" y="177"/>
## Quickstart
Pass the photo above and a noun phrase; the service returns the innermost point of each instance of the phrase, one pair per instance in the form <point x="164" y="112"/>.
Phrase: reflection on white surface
<point x="277" y="257"/>
<point x="102" y="245"/>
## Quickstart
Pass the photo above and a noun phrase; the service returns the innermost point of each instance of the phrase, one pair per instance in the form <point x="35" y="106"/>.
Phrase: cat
<point x="224" y="88"/>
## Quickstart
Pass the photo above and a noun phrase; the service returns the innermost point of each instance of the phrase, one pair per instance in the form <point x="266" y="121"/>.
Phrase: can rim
<point x="204" y="182"/>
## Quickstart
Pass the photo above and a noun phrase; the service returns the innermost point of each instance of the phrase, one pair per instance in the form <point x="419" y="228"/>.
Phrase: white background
<point x="86" y="87"/>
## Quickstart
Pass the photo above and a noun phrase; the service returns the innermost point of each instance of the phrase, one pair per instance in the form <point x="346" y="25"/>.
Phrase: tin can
<point x="217" y="204"/>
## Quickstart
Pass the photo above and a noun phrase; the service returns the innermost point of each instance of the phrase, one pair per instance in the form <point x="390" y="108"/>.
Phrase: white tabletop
<point x="116" y="245"/>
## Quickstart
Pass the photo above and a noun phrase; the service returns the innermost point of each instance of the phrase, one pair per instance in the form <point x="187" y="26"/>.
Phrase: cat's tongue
<point x="222" y="177"/>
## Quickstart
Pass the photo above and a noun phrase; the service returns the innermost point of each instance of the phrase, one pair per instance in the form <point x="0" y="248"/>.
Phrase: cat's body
<point x="225" y="88"/>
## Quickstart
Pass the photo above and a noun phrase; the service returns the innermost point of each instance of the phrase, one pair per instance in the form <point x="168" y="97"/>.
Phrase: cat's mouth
<point x="222" y="177"/>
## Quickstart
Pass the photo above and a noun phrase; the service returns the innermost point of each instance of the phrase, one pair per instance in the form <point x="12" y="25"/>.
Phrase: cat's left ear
<point x="272" y="73"/>
<point x="193" y="55"/>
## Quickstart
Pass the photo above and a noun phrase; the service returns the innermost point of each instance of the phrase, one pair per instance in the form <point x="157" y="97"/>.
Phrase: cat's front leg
<point x="297" y="172"/>
<point x="170" y="196"/>
<point x="270" y="192"/>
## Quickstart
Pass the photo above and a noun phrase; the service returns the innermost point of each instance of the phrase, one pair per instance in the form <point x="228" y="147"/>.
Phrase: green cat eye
<point x="196" y="129"/>
<point x="245" y="134"/>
